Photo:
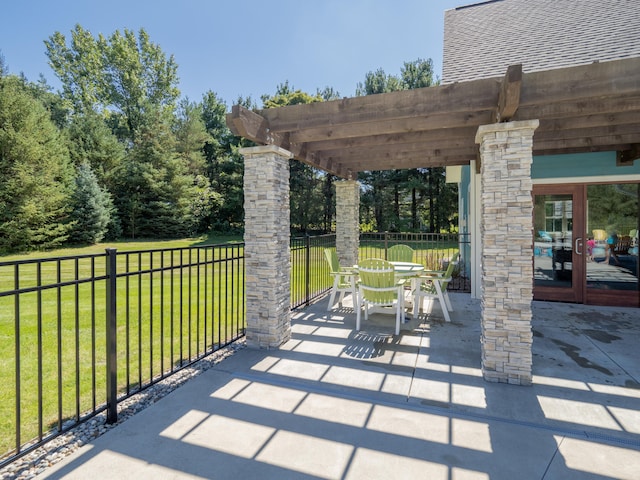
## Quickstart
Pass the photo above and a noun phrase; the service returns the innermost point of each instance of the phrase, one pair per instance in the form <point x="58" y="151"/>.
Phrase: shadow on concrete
<point x="334" y="403"/>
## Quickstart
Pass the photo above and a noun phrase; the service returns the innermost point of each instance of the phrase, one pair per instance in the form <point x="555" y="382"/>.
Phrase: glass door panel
<point x="557" y="260"/>
<point x="613" y="219"/>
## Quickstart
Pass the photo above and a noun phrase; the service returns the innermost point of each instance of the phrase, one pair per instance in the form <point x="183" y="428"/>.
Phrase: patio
<point x="338" y="404"/>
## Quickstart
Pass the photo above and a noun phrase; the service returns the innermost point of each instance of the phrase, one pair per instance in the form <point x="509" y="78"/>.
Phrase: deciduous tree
<point x="124" y="75"/>
<point x="191" y="136"/>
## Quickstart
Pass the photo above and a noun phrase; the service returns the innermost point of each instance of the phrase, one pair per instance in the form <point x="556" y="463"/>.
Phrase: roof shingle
<point x="482" y="40"/>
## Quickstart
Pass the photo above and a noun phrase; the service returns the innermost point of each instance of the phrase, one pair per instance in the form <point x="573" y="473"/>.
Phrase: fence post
<point x="386" y="244"/>
<point x="112" y="379"/>
<point x="307" y="275"/>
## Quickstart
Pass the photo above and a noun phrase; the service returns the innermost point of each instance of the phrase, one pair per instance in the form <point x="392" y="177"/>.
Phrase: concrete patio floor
<point x="334" y="403"/>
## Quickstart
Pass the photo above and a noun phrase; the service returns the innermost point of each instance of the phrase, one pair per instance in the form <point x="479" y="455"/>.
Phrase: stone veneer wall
<point x="347" y="221"/>
<point x="266" y="236"/>
<point x="506" y="250"/>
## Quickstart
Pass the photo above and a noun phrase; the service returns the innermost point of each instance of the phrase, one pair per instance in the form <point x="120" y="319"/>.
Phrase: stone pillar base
<point x="347" y="221"/>
<point x="266" y="253"/>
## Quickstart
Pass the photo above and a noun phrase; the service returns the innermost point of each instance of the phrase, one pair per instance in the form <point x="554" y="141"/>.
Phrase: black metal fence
<point x="434" y="250"/>
<point x="310" y="277"/>
<point x="79" y="334"/>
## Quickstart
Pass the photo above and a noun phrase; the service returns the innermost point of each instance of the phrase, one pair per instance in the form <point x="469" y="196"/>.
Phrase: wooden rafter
<point x="248" y="124"/>
<point x="509" y="96"/>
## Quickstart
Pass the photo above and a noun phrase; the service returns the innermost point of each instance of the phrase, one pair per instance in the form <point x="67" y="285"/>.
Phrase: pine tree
<point x="36" y="176"/>
<point x="154" y="193"/>
<point x="92" y="208"/>
<point x="91" y="141"/>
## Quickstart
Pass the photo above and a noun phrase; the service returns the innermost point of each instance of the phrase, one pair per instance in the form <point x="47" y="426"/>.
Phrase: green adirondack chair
<point x="379" y="287"/>
<point x="400" y="253"/>
<point x="344" y="279"/>
<point x="433" y="285"/>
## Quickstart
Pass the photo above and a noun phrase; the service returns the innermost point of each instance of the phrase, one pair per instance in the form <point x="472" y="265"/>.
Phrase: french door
<point x="558" y="252"/>
<point x="586" y="243"/>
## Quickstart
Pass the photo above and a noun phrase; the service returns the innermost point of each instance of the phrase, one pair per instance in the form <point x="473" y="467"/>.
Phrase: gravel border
<point x="34" y="463"/>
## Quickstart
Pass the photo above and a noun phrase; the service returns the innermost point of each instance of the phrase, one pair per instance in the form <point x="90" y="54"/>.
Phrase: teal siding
<point x="594" y="164"/>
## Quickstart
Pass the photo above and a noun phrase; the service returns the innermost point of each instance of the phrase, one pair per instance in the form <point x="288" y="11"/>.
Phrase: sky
<point x="242" y="47"/>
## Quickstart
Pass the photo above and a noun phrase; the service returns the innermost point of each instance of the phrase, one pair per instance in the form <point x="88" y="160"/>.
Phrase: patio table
<point x="404" y="269"/>
<point x="407" y="269"/>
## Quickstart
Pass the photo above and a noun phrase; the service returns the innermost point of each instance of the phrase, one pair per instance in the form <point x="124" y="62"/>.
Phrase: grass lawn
<point x="128" y="245"/>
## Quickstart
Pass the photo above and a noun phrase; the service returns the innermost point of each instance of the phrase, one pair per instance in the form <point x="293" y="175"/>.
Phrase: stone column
<point x="266" y="252"/>
<point x="347" y="221"/>
<point x="506" y="250"/>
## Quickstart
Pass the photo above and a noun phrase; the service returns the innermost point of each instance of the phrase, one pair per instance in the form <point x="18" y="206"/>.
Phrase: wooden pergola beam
<point x="410" y="160"/>
<point x="579" y="122"/>
<point x="248" y="124"/>
<point x="569" y="134"/>
<point x="625" y="158"/>
<point x="464" y="97"/>
<point x="395" y="139"/>
<point x="584" y="82"/>
<point x="394" y="126"/>
<point x="329" y="165"/>
<point x="569" y="109"/>
<point x="603" y="140"/>
<point x="567" y="150"/>
<point x="374" y="153"/>
<point x="252" y="126"/>
<point x="509" y="97"/>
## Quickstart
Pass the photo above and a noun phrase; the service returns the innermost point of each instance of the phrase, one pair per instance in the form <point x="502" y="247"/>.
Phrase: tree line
<point x="118" y="154"/>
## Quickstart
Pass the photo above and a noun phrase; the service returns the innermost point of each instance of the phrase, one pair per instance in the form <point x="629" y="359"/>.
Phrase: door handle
<point x="576" y="244"/>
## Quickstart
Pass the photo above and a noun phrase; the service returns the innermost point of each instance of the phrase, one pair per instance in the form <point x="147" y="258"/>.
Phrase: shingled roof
<point x="483" y="39"/>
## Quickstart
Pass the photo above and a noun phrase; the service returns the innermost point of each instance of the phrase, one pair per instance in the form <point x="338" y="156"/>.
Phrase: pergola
<point x="490" y="122"/>
<point x="580" y="109"/>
